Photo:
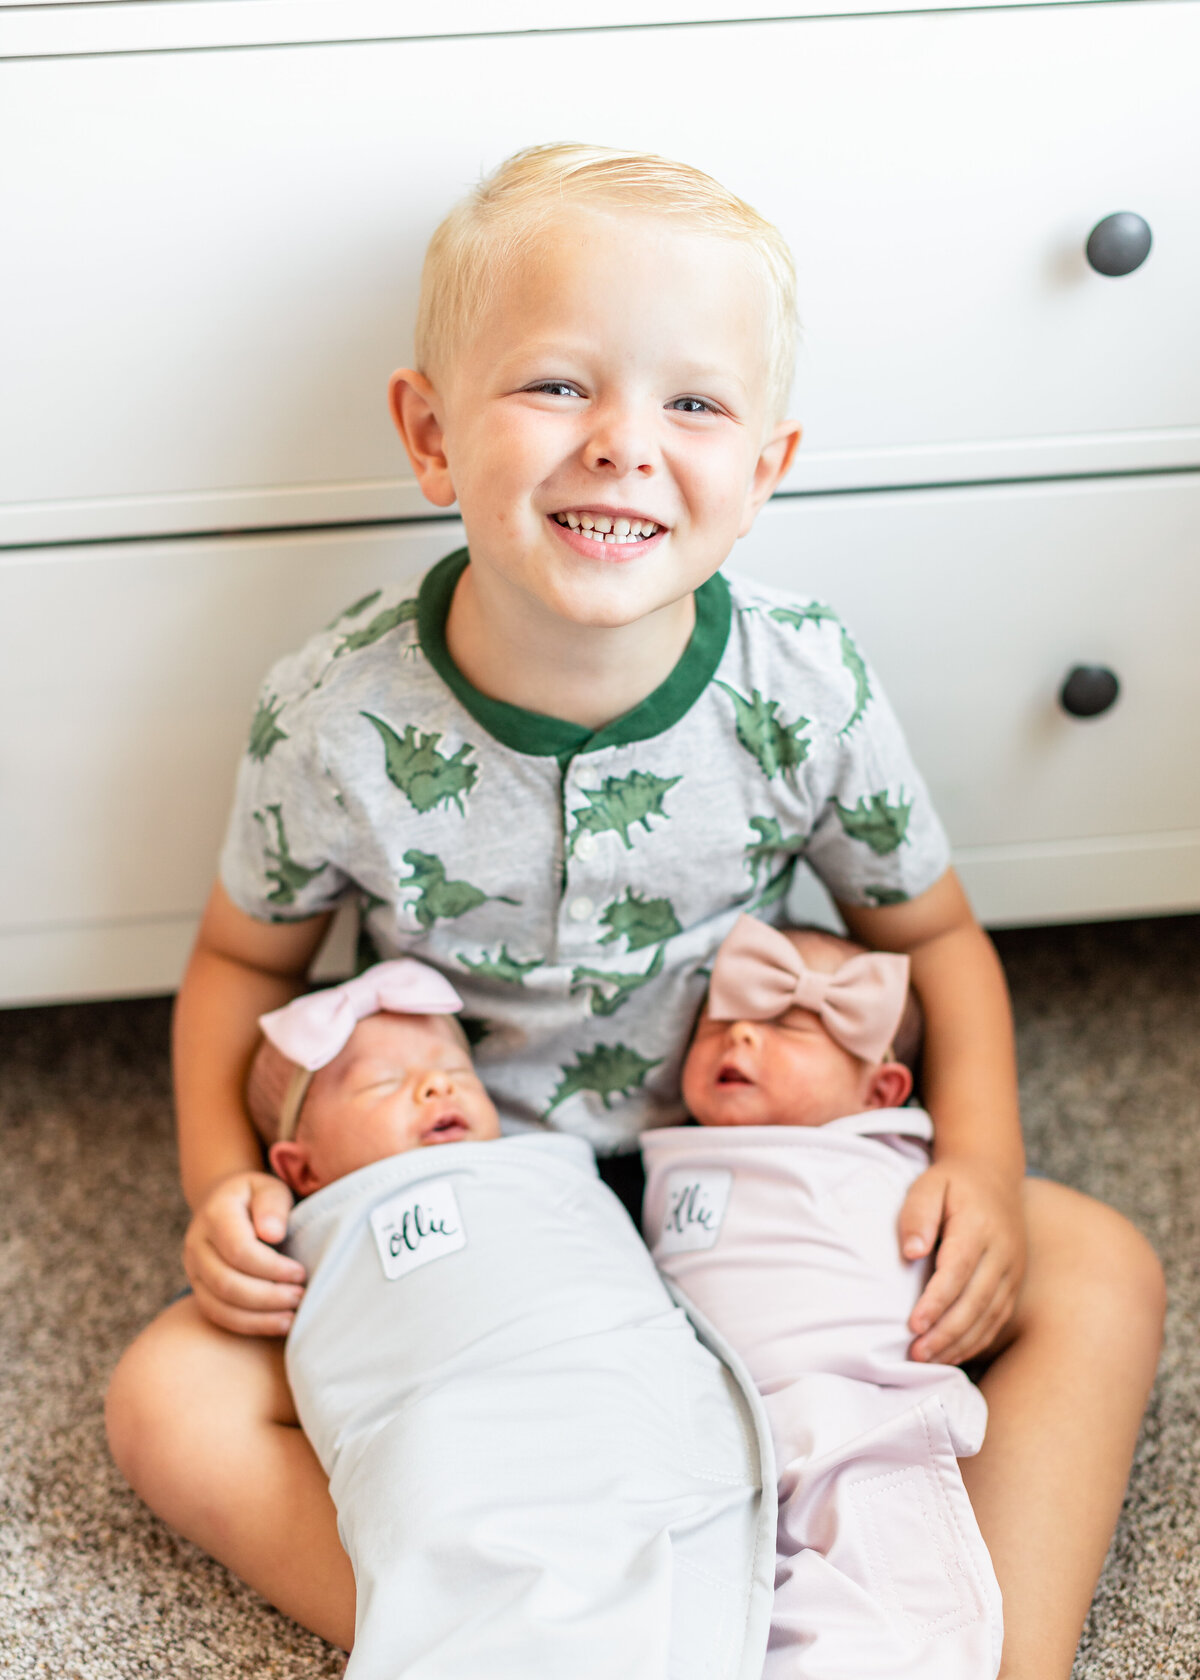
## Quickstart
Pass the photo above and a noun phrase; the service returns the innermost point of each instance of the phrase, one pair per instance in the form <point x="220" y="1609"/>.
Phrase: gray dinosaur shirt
<point x="572" y="884"/>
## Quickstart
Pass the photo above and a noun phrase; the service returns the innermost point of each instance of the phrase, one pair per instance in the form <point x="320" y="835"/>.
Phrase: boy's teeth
<point x="601" y="527"/>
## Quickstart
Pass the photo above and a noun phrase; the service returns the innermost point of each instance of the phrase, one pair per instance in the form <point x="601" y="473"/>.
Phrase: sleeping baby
<point x="538" y="1468"/>
<point x="777" y="1218"/>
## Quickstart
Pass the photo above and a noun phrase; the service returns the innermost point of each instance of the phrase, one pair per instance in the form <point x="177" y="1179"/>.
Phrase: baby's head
<point x="602" y="336"/>
<point x="760" y="1057"/>
<point x="375" y="1067"/>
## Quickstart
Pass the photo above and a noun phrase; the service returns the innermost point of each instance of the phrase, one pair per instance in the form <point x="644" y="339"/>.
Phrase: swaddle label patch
<point x="418" y="1225"/>
<point x="693" y="1209"/>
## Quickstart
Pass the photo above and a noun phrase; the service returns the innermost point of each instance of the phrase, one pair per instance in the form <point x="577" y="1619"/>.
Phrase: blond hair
<point x="502" y="218"/>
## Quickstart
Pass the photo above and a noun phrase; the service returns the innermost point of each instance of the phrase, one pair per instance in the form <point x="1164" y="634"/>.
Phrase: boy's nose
<point x="620" y="444"/>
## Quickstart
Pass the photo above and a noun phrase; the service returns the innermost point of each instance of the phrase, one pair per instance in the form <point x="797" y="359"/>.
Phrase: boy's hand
<point x="241" y="1282"/>
<point x="975" y="1220"/>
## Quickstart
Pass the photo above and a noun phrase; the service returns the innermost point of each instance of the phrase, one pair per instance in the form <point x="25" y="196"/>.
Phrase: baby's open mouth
<point x="608" y="528"/>
<point x="447" y="1128"/>
<point x="729" y="1075"/>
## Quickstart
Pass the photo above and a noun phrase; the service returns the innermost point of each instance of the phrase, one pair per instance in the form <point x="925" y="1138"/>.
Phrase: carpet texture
<point x="92" y="1587"/>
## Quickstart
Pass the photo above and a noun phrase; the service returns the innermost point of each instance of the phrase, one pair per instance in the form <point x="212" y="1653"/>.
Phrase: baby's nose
<point x="744" y="1032"/>
<point x="435" y="1082"/>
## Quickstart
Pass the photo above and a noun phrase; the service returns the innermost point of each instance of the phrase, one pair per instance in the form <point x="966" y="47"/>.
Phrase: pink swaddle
<point x="784" y="1238"/>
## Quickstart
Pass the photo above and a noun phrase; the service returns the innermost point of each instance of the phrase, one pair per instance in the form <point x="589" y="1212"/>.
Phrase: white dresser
<point x="212" y="216"/>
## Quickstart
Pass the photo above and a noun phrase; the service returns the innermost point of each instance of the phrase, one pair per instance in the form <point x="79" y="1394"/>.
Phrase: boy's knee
<point x="1092" y="1265"/>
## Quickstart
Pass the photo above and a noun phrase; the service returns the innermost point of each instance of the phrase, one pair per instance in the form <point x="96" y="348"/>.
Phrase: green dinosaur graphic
<point x="852" y="659"/>
<point x="640" y="921"/>
<point x="814" y="613"/>
<point x="876" y="822"/>
<point x="854" y="662"/>
<point x="500" y="967"/>
<point x="620" y="803"/>
<point x="777" y="746"/>
<point x="288" y="875"/>
<point x="610" y="1070"/>
<point x="359" y="606"/>
<point x="389" y="619"/>
<point x="265" y="730"/>
<point x="759" y="854"/>
<point x="887" y="895"/>
<point x="437" y="898"/>
<point x="610" y="990"/>
<point x="426" y="777"/>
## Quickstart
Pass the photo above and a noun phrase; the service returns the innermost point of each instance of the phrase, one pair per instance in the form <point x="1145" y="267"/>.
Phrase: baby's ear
<point x="289" y="1161"/>
<point x="890" y="1086"/>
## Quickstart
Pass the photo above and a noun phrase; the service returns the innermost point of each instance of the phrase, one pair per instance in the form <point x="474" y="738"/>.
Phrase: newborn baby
<point x="777" y="1218"/>
<point x="537" y="1467"/>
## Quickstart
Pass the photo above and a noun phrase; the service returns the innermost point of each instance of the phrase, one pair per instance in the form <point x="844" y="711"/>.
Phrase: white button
<point x="585" y="845"/>
<point x="580" y="909"/>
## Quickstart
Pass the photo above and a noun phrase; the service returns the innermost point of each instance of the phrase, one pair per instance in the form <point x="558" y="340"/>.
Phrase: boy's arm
<point x="239" y="969"/>
<point x="969" y="1201"/>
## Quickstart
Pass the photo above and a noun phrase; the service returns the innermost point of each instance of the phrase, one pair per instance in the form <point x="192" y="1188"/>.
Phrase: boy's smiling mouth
<point x="601" y="529"/>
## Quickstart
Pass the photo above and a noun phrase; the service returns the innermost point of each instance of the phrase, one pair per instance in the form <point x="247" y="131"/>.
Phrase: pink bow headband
<point x="312" y="1029"/>
<point x="758" y="975"/>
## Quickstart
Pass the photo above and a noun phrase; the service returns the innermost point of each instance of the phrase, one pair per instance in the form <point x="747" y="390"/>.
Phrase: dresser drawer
<point x="133" y="671"/>
<point x="974" y="605"/>
<point x="197" y="332"/>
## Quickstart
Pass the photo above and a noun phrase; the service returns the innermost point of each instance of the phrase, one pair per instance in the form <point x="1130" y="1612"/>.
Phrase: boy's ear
<point x="414" y="405"/>
<point x="289" y="1161"/>
<point x="777" y="455"/>
<point x="890" y="1087"/>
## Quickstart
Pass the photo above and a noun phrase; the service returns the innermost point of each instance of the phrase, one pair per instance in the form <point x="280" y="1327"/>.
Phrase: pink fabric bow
<point x="312" y="1029"/>
<point x="759" y="974"/>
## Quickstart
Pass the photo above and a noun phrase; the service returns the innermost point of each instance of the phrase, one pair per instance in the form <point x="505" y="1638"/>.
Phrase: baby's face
<point x="401" y="1082"/>
<point x="620" y="373"/>
<point x="785" y="1072"/>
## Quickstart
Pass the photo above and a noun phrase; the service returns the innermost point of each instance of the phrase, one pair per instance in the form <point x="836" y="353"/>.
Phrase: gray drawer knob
<point x="1088" y="690"/>
<point x="1119" y="244"/>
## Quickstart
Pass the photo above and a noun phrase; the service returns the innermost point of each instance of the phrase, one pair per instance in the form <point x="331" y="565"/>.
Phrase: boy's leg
<point x="202" y="1425"/>
<point x="1065" y="1395"/>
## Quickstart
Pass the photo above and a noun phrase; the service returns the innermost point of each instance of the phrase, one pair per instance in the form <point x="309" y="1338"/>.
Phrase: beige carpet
<point x="92" y="1586"/>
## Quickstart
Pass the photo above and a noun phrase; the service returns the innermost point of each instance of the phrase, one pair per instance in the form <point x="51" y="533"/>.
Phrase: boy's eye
<point x="554" y="388"/>
<point x="693" y="405"/>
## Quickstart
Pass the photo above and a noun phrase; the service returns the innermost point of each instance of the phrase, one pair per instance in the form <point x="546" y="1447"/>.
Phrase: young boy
<point x="776" y="1216"/>
<point x="559" y="772"/>
<point x="516" y="1420"/>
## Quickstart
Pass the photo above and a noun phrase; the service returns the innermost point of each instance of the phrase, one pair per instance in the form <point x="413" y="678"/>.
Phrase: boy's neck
<point x="511" y="649"/>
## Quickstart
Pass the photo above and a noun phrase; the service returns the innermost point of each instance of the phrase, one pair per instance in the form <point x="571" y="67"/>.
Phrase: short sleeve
<point x="285" y="845"/>
<point x="876" y="839"/>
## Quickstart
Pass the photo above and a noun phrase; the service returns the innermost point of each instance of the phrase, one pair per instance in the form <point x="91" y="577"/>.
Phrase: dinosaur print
<point x="356" y="607"/>
<point x="265" y="730"/>
<point x="500" y="967"/>
<point x="778" y="747"/>
<point x="610" y="1070"/>
<point x="887" y="895"/>
<point x="389" y="619"/>
<point x="288" y="875"/>
<point x="620" y="803"/>
<point x="609" y="990"/>
<point x="875" y="821"/>
<point x="437" y="898"/>
<point x="852" y="659"/>
<point x="426" y="777"/>
<point x="759" y="854"/>
<point x="639" y="921"/>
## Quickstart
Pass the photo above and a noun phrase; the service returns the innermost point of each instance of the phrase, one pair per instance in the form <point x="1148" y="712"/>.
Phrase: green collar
<point x="550" y="737"/>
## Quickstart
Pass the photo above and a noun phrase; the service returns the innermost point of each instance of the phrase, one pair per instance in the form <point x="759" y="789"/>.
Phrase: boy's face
<point x="401" y="1082"/>
<point x="620" y="373"/>
<point x="785" y="1072"/>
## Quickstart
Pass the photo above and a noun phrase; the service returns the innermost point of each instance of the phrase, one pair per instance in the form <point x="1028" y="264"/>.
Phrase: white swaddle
<point x="785" y="1238"/>
<point x="538" y="1468"/>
